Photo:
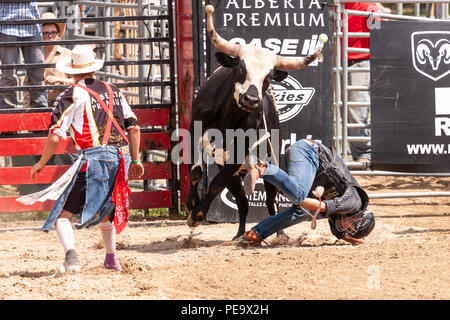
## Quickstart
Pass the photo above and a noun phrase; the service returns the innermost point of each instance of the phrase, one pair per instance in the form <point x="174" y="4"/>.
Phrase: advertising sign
<point x="410" y="96"/>
<point x="304" y="99"/>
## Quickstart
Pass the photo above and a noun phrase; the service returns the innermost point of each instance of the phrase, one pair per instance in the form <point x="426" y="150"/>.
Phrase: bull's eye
<point x="241" y="74"/>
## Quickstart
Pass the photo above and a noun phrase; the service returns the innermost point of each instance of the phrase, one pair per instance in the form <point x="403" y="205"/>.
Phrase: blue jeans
<point x="302" y="165"/>
<point x="31" y="54"/>
<point x="103" y="163"/>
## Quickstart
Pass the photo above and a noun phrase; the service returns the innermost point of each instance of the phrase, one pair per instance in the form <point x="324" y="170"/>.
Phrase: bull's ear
<point x="279" y="75"/>
<point x="226" y="61"/>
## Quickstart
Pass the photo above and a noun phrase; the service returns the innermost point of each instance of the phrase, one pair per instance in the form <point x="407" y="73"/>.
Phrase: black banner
<point x="410" y="96"/>
<point x="304" y="99"/>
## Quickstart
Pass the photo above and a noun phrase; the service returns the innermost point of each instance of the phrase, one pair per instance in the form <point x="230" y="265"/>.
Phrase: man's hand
<point x="36" y="169"/>
<point x="49" y="149"/>
<point x="353" y="240"/>
<point x="137" y="169"/>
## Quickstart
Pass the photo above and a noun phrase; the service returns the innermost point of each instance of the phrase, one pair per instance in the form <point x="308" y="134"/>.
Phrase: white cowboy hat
<point x="82" y="61"/>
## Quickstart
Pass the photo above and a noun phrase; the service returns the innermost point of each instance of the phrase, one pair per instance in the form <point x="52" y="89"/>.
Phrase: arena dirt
<point x="407" y="256"/>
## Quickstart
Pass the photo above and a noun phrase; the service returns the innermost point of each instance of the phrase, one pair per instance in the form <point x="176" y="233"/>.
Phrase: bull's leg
<point x="219" y="182"/>
<point x="238" y="192"/>
<point x="193" y="199"/>
<point x="195" y="171"/>
<point x="272" y="205"/>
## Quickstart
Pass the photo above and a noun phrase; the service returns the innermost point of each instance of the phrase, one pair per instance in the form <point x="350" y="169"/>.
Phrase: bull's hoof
<point x="193" y="223"/>
<point x="238" y="235"/>
<point x="282" y="238"/>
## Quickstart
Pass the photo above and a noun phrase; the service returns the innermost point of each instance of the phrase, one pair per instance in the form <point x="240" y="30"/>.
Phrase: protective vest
<point x="335" y="177"/>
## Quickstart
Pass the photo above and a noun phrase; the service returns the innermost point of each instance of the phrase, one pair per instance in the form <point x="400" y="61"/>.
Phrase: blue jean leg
<point x="31" y="54"/>
<point x="35" y="54"/>
<point x="303" y="162"/>
<point x="10" y="55"/>
<point x="280" y="221"/>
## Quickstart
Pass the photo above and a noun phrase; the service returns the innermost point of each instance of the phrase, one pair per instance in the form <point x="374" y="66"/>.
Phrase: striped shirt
<point x="19" y="11"/>
<point x="77" y="112"/>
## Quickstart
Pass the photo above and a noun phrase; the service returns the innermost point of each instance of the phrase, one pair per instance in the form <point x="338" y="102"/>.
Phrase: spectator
<point x="361" y="151"/>
<point x="17" y="11"/>
<point x="52" y="54"/>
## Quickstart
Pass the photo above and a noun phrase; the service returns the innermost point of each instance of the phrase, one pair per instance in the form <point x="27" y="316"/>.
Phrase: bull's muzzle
<point x="249" y="100"/>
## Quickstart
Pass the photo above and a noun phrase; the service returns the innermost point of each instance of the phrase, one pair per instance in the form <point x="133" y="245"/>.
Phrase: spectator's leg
<point x="34" y="54"/>
<point x="10" y="55"/>
<point x="359" y="150"/>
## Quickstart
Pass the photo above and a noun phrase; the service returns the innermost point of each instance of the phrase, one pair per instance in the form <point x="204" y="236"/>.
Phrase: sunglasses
<point x="50" y="34"/>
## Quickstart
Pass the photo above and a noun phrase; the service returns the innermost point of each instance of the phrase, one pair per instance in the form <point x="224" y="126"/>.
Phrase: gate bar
<point x="406" y="174"/>
<point x="408" y="195"/>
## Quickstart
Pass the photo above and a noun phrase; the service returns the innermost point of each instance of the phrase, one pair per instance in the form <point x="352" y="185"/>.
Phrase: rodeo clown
<point x="95" y="188"/>
<point x="315" y="173"/>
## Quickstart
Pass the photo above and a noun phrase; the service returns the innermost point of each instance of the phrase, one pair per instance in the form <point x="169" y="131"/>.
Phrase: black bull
<point x="216" y="108"/>
<point x="235" y="97"/>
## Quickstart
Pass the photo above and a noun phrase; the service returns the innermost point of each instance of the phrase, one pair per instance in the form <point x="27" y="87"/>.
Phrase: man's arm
<point x="349" y="202"/>
<point x="50" y="146"/>
<point x="312" y="204"/>
<point x="134" y="138"/>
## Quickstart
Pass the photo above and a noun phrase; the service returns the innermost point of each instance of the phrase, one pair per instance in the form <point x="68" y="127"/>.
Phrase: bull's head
<point x="253" y="67"/>
<point x="434" y="53"/>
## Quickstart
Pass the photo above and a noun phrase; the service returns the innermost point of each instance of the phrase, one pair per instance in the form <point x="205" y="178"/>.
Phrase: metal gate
<point x="343" y="70"/>
<point x="433" y="10"/>
<point x="136" y="38"/>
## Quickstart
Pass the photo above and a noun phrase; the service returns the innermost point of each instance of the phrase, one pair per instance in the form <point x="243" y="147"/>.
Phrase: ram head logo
<point x="431" y="53"/>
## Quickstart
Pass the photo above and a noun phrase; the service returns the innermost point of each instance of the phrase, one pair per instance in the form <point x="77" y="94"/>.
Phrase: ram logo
<point x="431" y="53"/>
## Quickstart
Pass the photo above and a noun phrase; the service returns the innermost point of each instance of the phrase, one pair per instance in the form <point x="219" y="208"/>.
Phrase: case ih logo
<point x="431" y="53"/>
<point x="291" y="97"/>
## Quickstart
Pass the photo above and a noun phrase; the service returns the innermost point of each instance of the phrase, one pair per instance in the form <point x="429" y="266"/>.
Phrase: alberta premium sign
<point x="304" y="99"/>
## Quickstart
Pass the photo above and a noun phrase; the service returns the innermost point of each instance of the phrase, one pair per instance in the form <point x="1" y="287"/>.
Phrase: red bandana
<point x="121" y="197"/>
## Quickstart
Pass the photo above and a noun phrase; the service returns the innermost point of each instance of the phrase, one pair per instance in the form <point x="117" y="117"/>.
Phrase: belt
<point x="124" y="149"/>
<point x="313" y="143"/>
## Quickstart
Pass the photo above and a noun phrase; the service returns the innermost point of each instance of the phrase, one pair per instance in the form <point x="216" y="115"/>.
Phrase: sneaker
<point x="71" y="263"/>
<point x="363" y="160"/>
<point x="111" y="262"/>
<point x="249" y="239"/>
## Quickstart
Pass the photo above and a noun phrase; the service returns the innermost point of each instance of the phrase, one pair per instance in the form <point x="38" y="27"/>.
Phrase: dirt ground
<point x="407" y="256"/>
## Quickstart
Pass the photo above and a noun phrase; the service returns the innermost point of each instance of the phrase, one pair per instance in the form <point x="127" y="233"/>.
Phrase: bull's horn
<point x="288" y="63"/>
<point x="220" y="43"/>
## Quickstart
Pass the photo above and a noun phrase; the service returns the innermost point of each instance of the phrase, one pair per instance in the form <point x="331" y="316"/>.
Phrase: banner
<point x="304" y="98"/>
<point x="410" y="96"/>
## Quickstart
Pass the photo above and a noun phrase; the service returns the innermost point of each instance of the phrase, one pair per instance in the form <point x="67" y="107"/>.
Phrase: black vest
<point x="335" y="177"/>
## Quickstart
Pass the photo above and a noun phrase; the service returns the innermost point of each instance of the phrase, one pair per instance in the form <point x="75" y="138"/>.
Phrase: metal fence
<point x="136" y="40"/>
<point x="422" y="11"/>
